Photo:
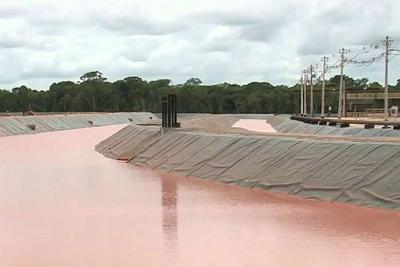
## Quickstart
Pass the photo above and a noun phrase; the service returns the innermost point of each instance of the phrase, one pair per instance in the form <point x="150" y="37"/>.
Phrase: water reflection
<point x="169" y="213"/>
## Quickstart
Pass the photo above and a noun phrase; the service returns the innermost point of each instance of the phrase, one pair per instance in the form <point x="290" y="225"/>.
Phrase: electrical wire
<point x="365" y="49"/>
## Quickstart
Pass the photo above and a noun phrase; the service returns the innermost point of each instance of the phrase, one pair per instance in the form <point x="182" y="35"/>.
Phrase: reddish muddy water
<point x="63" y="204"/>
<point x="254" y="125"/>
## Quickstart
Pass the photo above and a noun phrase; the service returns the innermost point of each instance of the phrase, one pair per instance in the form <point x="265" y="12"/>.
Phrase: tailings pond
<point x="63" y="204"/>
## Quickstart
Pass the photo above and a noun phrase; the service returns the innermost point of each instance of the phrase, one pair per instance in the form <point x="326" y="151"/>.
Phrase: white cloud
<point x="42" y="41"/>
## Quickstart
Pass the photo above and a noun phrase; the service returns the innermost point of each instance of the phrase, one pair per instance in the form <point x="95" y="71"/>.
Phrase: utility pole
<point x="324" y="60"/>
<point x="311" y="92"/>
<point x="301" y="95"/>
<point x="305" y="91"/>
<point x="387" y="45"/>
<point x="344" y="114"/>
<point x="341" y="83"/>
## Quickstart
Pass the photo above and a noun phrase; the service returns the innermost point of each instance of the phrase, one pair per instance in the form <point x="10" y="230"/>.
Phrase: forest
<point x="93" y="93"/>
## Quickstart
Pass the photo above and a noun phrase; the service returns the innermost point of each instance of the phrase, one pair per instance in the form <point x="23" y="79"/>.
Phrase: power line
<point x="344" y="58"/>
<point x="367" y="62"/>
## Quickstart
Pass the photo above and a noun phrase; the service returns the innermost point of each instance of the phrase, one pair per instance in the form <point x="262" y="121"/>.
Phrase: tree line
<point x="95" y="94"/>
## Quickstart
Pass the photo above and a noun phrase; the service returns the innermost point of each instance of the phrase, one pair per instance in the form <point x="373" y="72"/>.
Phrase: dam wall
<point x="362" y="173"/>
<point x="14" y="125"/>
<point x="283" y="124"/>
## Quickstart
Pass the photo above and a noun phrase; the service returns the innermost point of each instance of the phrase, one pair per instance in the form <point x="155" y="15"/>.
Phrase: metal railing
<point x="371" y="96"/>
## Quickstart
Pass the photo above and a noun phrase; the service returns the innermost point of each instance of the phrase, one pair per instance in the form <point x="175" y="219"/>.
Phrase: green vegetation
<point x="95" y="93"/>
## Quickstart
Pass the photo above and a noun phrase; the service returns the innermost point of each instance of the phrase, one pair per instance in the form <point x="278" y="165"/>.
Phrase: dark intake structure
<point x="169" y="111"/>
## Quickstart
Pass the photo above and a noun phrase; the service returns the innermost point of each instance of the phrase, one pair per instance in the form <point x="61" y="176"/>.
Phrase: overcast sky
<point x="43" y="41"/>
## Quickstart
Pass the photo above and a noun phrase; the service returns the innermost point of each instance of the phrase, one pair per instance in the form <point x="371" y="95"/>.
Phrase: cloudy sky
<point x="42" y="41"/>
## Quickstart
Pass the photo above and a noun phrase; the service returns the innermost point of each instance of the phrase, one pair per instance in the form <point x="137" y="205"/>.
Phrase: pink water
<point x="254" y="125"/>
<point x="63" y="204"/>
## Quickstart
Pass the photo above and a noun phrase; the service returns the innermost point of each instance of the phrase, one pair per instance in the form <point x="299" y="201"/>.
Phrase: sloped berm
<point x="363" y="173"/>
<point x="14" y="125"/>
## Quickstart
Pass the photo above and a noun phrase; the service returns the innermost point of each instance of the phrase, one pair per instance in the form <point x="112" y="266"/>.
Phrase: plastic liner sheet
<point x="284" y="124"/>
<point x="216" y="122"/>
<point x="354" y="172"/>
<point x="14" y="125"/>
